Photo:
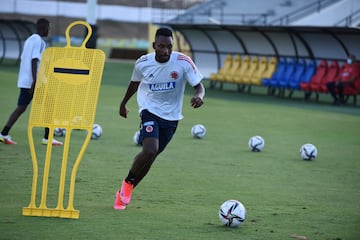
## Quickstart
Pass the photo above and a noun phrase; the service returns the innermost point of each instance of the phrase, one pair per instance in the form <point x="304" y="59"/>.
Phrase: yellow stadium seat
<point x="271" y="68"/>
<point x="259" y="73"/>
<point x="245" y="63"/>
<point x="253" y="67"/>
<point x="234" y="67"/>
<point x="224" y="69"/>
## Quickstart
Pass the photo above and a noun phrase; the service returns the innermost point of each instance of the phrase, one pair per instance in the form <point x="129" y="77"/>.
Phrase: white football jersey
<point x="162" y="85"/>
<point x="33" y="48"/>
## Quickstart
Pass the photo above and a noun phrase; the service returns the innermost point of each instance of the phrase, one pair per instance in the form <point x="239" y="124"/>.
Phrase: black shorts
<point x="154" y="126"/>
<point x="25" y="97"/>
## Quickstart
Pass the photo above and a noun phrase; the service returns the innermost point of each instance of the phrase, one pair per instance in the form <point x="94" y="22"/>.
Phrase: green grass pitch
<point x="180" y="197"/>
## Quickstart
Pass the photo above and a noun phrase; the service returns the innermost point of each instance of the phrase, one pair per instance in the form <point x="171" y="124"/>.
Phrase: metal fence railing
<point x="214" y="12"/>
<point x="349" y="20"/>
<point x="304" y="11"/>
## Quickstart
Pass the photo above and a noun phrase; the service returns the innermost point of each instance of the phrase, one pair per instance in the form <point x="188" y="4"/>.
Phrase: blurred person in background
<point x="30" y="61"/>
<point x="348" y="76"/>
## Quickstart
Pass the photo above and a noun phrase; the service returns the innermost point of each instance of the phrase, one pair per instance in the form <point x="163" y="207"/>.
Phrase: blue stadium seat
<point x="296" y="76"/>
<point x="286" y="75"/>
<point x="281" y="66"/>
<point x="306" y="77"/>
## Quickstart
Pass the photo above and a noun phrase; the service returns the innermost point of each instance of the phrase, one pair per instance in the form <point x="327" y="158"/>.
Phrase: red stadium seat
<point x="306" y="77"/>
<point x="320" y="73"/>
<point x="331" y="75"/>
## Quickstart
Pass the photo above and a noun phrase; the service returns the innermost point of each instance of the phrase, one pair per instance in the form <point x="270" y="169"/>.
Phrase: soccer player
<point x="347" y="77"/>
<point x="159" y="79"/>
<point x="30" y="62"/>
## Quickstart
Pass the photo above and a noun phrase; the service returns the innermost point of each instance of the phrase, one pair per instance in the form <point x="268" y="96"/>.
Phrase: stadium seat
<point x="280" y="68"/>
<point x="236" y="63"/>
<point x="284" y="78"/>
<point x="245" y="63"/>
<point x="332" y="74"/>
<point x="260" y="72"/>
<point x="306" y="77"/>
<point x="296" y="75"/>
<point x="214" y="77"/>
<point x="224" y="69"/>
<point x="253" y="67"/>
<point x="321" y="71"/>
<point x="269" y="71"/>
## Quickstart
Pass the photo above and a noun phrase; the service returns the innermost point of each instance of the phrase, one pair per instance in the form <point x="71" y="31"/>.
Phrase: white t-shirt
<point x="162" y="85"/>
<point x="33" y="48"/>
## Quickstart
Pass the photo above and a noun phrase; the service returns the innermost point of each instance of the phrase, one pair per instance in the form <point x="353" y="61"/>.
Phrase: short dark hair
<point x="166" y="32"/>
<point x="42" y="23"/>
<point x="352" y="56"/>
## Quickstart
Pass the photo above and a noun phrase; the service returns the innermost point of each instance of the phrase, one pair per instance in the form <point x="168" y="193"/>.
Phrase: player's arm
<point x="354" y="74"/>
<point x="357" y="72"/>
<point x="131" y="90"/>
<point x="198" y="99"/>
<point x="34" y="65"/>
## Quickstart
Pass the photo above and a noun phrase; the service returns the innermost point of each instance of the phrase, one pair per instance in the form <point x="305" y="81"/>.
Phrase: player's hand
<point x="31" y="92"/>
<point x="123" y="111"/>
<point x="196" y="102"/>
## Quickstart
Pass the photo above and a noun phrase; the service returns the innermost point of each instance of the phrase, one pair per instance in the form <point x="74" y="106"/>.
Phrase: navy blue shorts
<point x="25" y="97"/>
<point x="154" y="126"/>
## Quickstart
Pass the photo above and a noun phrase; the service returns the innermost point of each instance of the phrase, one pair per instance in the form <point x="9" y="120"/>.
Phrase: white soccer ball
<point x="96" y="131"/>
<point x="256" y="143"/>
<point x="136" y="137"/>
<point x="59" y="132"/>
<point x="308" y="151"/>
<point x="198" y="131"/>
<point x="232" y="213"/>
